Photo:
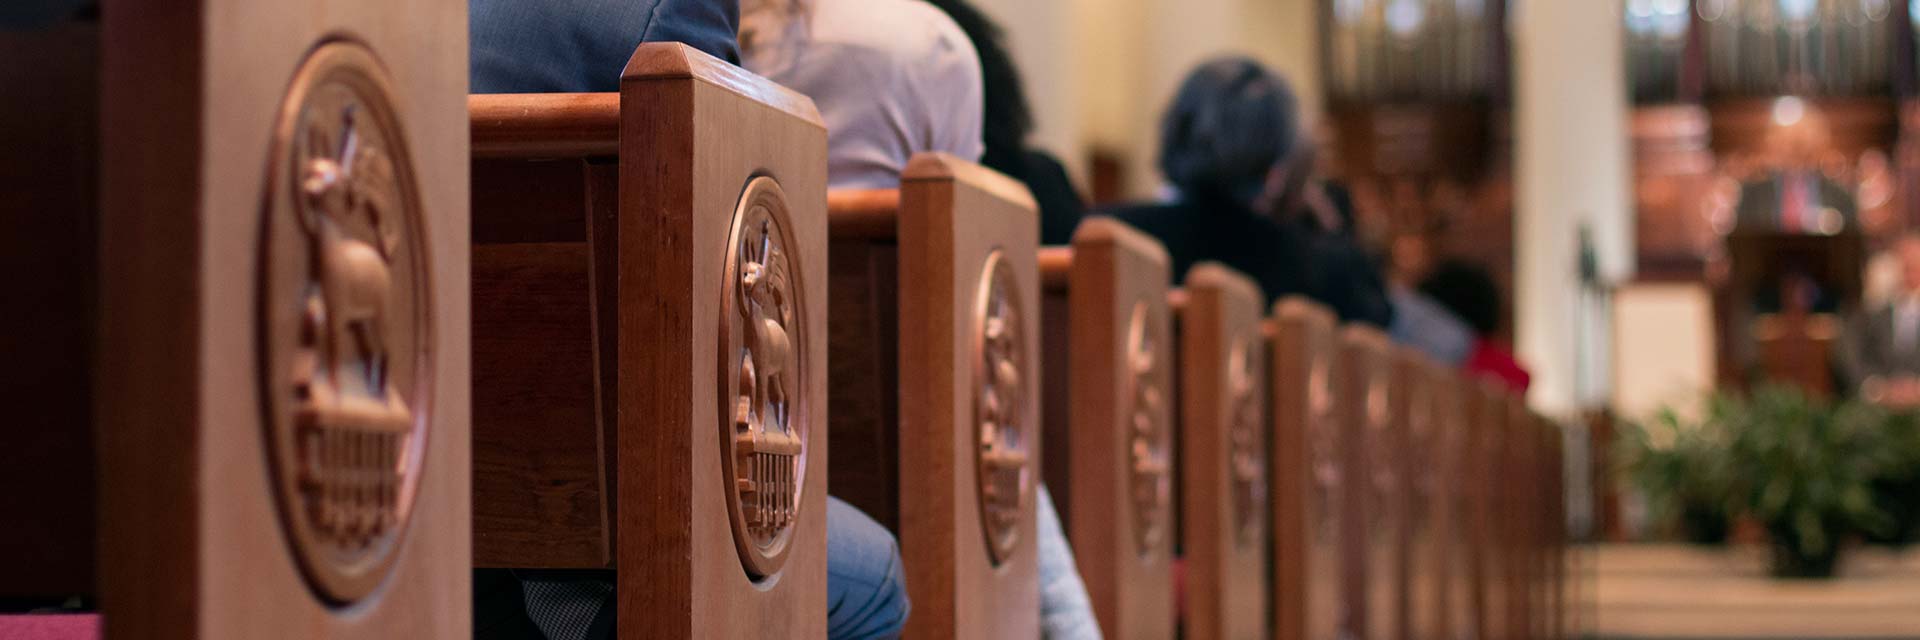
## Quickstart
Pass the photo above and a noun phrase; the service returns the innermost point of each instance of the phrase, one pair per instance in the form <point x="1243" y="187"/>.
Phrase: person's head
<point x="1909" y="251"/>
<point x="1007" y="120"/>
<point x="1230" y="125"/>
<point x="1467" y="290"/>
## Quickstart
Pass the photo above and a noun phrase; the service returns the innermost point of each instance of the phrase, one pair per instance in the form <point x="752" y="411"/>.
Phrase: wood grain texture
<point x="955" y="217"/>
<point x="1413" y="551"/>
<point x="544" y="125"/>
<point x="1481" y="454"/>
<point x="1306" y="472"/>
<point x="191" y="544"/>
<point x="49" y="184"/>
<point x="693" y="132"/>
<point x="1115" y="270"/>
<point x="1224" y="523"/>
<point x="1446" y="506"/>
<point x="1364" y="397"/>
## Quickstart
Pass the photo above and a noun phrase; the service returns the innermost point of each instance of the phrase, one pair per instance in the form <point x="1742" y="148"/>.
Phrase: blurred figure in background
<point x="1246" y="196"/>
<point x="544" y="46"/>
<point x="1008" y="123"/>
<point x="1470" y="293"/>
<point x="1878" y="356"/>
<point x="1420" y="321"/>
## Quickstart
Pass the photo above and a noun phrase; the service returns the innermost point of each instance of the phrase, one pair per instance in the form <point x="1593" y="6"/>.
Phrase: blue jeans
<point x="543" y="46"/>
<point x="866" y="591"/>
<point x="866" y="587"/>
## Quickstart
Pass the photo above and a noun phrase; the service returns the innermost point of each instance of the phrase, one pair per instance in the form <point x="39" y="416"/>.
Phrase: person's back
<point x="1200" y="230"/>
<point x="543" y="46"/>
<point x="891" y="78"/>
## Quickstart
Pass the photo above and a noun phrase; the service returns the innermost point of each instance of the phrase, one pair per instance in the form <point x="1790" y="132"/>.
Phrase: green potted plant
<point x="1681" y="466"/>
<point x="1896" y="488"/>
<point x="1804" y="469"/>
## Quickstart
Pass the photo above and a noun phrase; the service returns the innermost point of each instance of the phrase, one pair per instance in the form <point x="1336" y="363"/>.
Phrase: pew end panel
<point x="1417" y="575"/>
<point x="1223" y="442"/>
<point x="1369" y="518"/>
<point x="713" y="352"/>
<point x="1306" y="470"/>
<point x="1450" y="482"/>
<point x="282" y="359"/>
<point x="1116" y="440"/>
<point x="1483" y="453"/>
<point x="969" y="431"/>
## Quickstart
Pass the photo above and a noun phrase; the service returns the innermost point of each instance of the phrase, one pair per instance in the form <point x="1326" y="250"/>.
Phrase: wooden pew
<point x="1307" y="474"/>
<point x="256" y="372"/>
<point x="1107" y="420"/>
<point x="649" y="352"/>
<point x="1363" y="395"/>
<point x="1422" y="571"/>
<point x="935" y="321"/>
<point x="1222" y="439"/>
<point x="1518" y="522"/>
<point x="1486" y="417"/>
<point x="1452" y="517"/>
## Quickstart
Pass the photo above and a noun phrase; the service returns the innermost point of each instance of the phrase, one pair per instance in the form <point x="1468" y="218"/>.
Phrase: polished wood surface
<point x="1223" y="458"/>
<point x="1675" y="592"/>
<point x="1307" y="474"/>
<point x="544" y="125"/>
<point x="958" y="219"/>
<point x="1123" y="545"/>
<point x="1486" y="427"/>
<point x="693" y="131"/>
<point x="191" y="541"/>
<point x="1363" y="394"/>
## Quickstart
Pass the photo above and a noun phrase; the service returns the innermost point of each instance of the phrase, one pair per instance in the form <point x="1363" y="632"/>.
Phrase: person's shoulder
<point x="909" y="31"/>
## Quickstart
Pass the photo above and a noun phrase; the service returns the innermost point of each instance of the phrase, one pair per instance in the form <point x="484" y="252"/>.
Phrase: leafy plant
<point x="1805" y="470"/>
<point x="1682" y="467"/>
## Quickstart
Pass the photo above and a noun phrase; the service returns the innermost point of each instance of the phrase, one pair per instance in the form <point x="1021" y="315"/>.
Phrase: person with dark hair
<point x="1008" y="122"/>
<point x="1469" y="291"/>
<point x="1230" y="145"/>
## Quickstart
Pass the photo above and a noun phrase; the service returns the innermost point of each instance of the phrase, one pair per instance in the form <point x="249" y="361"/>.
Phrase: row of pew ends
<point x="342" y="351"/>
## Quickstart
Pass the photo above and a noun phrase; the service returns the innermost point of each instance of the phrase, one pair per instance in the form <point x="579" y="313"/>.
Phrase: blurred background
<point x="1698" y="212"/>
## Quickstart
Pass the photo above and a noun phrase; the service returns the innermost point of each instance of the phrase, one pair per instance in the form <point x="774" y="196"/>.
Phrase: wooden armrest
<point x="544" y="125"/>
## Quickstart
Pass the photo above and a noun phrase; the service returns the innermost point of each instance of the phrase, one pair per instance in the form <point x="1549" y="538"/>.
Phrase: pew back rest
<point x="1364" y="394"/>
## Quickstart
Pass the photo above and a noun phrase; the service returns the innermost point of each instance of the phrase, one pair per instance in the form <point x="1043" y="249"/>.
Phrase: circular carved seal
<point x="1147" y="434"/>
<point x="763" y="352"/>
<point x="1323" y="452"/>
<point x="1248" y="458"/>
<point x="1000" y="400"/>
<point x="344" y="322"/>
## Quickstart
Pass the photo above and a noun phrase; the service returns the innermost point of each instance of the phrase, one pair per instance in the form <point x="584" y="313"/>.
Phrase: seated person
<point x="891" y="78"/>
<point x="1231" y="147"/>
<point x="574" y="46"/>
<point x="1878" y="356"/>
<point x="529" y="46"/>
<point x="1007" y="124"/>
<point x="1418" y="320"/>
<point x="1469" y="292"/>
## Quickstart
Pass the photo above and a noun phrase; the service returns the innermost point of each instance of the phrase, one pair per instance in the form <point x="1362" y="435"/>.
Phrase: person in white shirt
<point x="1879" y="354"/>
<point x="891" y="78"/>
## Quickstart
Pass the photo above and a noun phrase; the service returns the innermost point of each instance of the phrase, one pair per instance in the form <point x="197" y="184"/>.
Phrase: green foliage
<point x="1815" y="473"/>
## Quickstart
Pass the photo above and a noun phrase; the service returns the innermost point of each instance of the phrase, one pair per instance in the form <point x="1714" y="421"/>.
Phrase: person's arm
<point x="1066" y="613"/>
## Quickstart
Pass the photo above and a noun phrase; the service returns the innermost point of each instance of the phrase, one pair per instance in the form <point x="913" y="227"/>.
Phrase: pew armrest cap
<point x="676" y="61"/>
<point x="1107" y="230"/>
<point x="1213" y="275"/>
<point x="942" y="166"/>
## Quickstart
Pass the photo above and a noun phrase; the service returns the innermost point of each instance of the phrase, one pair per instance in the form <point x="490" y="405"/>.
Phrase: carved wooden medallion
<point x="1000" y="400"/>
<point x="1322" y="446"/>
<point x="763" y="350"/>
<point x="1247" y="457"/>
<point x="1147" y="432"/>
<point x="344" y="321"/>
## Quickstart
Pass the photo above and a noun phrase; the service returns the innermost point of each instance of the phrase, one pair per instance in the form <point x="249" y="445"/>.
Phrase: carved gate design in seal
<point x="1147" y="430"/>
